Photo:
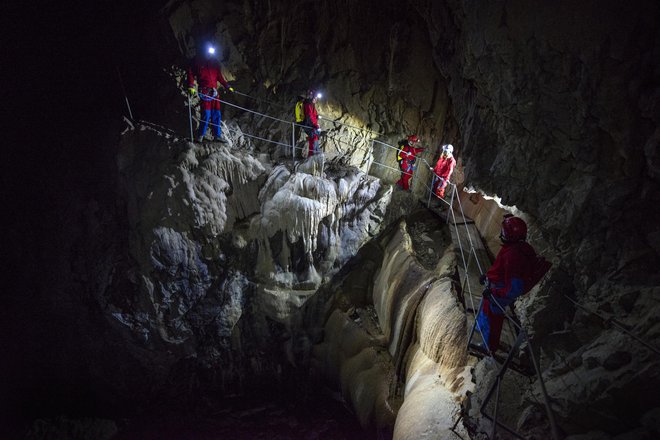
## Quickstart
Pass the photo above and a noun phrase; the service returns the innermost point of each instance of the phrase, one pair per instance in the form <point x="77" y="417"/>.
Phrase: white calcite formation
<point x="415" y="340"/>
<point x="330" y="215"/>
<point x="222" y="240"/>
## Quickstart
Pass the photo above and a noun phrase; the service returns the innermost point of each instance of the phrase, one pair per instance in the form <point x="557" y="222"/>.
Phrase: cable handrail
<point x="243" y="133"/>
<point x="287" y="145"/>
<point x="616" y="324"/>
<point x="294" y="124"/>
<point x="323" y="117"/>
<point x="476" y="258"/>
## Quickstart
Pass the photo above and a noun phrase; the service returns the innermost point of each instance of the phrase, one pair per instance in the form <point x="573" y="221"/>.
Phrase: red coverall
<point x="407" y="155"/>
<point x="312" y="123"/>
<point x="208" y="74"/>
<point x="506" y="276"/>
<point x="443" y="170"/>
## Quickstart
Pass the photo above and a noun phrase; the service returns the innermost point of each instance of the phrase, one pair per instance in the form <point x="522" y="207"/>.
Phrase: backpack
<point x="300" y="110"/>
<point x="399" y="158"/>
<point x="540" y="266"/>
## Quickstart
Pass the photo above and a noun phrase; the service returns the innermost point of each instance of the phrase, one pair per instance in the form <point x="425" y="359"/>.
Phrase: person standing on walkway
<point x="311" y="122"/>
<point x="208" y="73"/>
<point x="407" y="156"/>
<point x="506" y="279"/>
<point x="443" y="169"/>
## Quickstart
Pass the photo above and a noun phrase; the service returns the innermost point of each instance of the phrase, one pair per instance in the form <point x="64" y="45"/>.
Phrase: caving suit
<point x="406" y="157"/>
<point x="506" y="278"/>
<point x="208" y="74"/>
<point x="311" y="126"/>
<point x="443" y="170"/>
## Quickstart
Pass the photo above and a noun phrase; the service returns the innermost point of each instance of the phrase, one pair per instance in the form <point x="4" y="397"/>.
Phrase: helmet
<point x="413" y="139"/>
<point x="513" y="229"/>
<point x="448" y="148"/>
<point x="313" y="93"/>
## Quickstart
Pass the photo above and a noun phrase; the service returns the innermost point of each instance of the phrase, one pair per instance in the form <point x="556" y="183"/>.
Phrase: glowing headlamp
<point x="319" y="95"/>
<point x="211" y="50"/>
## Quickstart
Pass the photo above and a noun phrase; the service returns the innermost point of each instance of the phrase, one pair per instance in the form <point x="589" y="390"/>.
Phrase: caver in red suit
<point x="208" y="73"/>
<point x="505" y="279"/>
<point x="443" y="169"/>
<point x="311" y="123"/>
<point x="407" y="157"/>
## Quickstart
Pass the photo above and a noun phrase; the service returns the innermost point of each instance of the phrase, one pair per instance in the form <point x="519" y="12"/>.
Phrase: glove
<point x="483" y="280"/>
<point x="487" y="293"/>
<point x="192" y="90"/>
<point x="231" y="89"/>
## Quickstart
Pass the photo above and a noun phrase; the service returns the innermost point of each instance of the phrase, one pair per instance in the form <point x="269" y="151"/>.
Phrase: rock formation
<point x="238" y="266"/>
<point x="554" y="112"/>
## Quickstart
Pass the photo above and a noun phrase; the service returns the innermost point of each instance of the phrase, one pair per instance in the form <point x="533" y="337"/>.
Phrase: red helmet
<point x="513" y="229"/>
<point x="413" y="139"/>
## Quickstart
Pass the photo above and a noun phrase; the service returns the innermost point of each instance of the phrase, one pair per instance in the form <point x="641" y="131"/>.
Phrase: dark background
<point x="63" y="109"/>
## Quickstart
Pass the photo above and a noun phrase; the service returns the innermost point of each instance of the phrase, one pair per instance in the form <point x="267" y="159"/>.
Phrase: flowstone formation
<point x="394" y="338"/>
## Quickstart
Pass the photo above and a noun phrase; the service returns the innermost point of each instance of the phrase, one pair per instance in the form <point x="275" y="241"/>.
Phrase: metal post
<point x="451" y="202"/>
<point x="551" y="415"/>
<point x="474" y="325"/>
<point x="516" y="345"/>
<point x="497" y="403"/>
<point x="121" y="82"/>
<point x="192" y="138"/>
<point x="428" y="202"/>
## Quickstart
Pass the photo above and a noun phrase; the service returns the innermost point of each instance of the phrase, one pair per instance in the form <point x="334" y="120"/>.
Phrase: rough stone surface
<point x="227" y="248"/>
<point x="402" y="345"/>
<point x="556" y="118"/>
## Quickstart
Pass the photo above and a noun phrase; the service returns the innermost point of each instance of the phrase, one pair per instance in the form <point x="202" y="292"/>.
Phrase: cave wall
<point x="557" y="108"/>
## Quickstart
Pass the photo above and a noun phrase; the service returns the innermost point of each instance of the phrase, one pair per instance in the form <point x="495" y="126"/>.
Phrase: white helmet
<point x="448" y="148"/>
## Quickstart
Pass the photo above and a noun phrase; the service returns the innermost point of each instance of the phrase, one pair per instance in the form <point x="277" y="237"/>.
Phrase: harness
<point x="207" y="93"/>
